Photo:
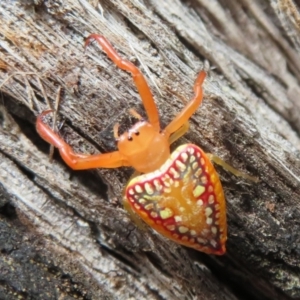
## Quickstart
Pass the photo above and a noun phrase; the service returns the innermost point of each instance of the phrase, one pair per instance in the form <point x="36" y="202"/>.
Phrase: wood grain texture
<point x="70" y="227"/>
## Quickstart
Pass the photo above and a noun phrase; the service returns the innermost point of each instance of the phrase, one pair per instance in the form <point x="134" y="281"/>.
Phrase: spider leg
<point x="190" y="108"/>
<point x="219" y="161"/>
<point x="137" y="76"/>
<point x="133" y="216"/>
<point x="179" y="133"/>
<point x="74" y="160"/>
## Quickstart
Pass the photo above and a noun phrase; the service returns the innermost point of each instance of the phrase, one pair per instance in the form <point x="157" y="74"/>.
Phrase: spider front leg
<point x="183" y="117"/>
<point x="180" y="125"/>
<point x="137" y="76"/>
<point x="74" y="160"/>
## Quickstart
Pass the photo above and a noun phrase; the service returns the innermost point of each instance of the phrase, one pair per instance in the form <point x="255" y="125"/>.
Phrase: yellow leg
<point x="133" y="216"/>
<point x="229" y="168"/>
<point x="179" y="133"/>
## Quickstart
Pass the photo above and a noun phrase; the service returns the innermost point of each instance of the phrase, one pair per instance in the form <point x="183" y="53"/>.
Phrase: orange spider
<point x="180" y="194"/>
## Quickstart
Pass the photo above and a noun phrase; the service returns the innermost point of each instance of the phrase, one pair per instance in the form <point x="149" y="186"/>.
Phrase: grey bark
<point x="65" y="234"/>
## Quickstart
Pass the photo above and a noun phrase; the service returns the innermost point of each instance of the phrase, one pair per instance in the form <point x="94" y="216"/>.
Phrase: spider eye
<point x="137" y="133"/>
<point x="130" y="138"/>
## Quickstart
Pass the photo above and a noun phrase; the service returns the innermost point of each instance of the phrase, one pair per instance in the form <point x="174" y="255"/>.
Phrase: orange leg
<point x="138" y="77"/>
<point x="74" y="160"/>
<point x="190" y="108"/>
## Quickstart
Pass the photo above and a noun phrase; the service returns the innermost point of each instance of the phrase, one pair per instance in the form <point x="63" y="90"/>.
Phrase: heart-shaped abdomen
<point x="183" y="200"/>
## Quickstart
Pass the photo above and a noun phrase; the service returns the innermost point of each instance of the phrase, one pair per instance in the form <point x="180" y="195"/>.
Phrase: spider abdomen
<point x="183" y="200"/>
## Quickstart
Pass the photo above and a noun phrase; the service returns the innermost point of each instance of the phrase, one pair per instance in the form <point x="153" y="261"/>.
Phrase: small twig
<point x="57" y="102"/>
<point x="31" y="95"/>
<point x="43" y="92"/>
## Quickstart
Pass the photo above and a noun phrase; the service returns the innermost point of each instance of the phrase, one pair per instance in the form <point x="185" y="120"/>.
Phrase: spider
<point x="178" y="194"/>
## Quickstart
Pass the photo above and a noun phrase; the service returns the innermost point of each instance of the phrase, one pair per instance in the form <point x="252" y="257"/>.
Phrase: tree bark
<point x="65" y="234"/>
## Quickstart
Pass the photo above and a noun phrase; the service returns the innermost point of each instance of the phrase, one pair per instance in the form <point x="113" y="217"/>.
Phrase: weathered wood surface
<point x="70" y="237"/>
